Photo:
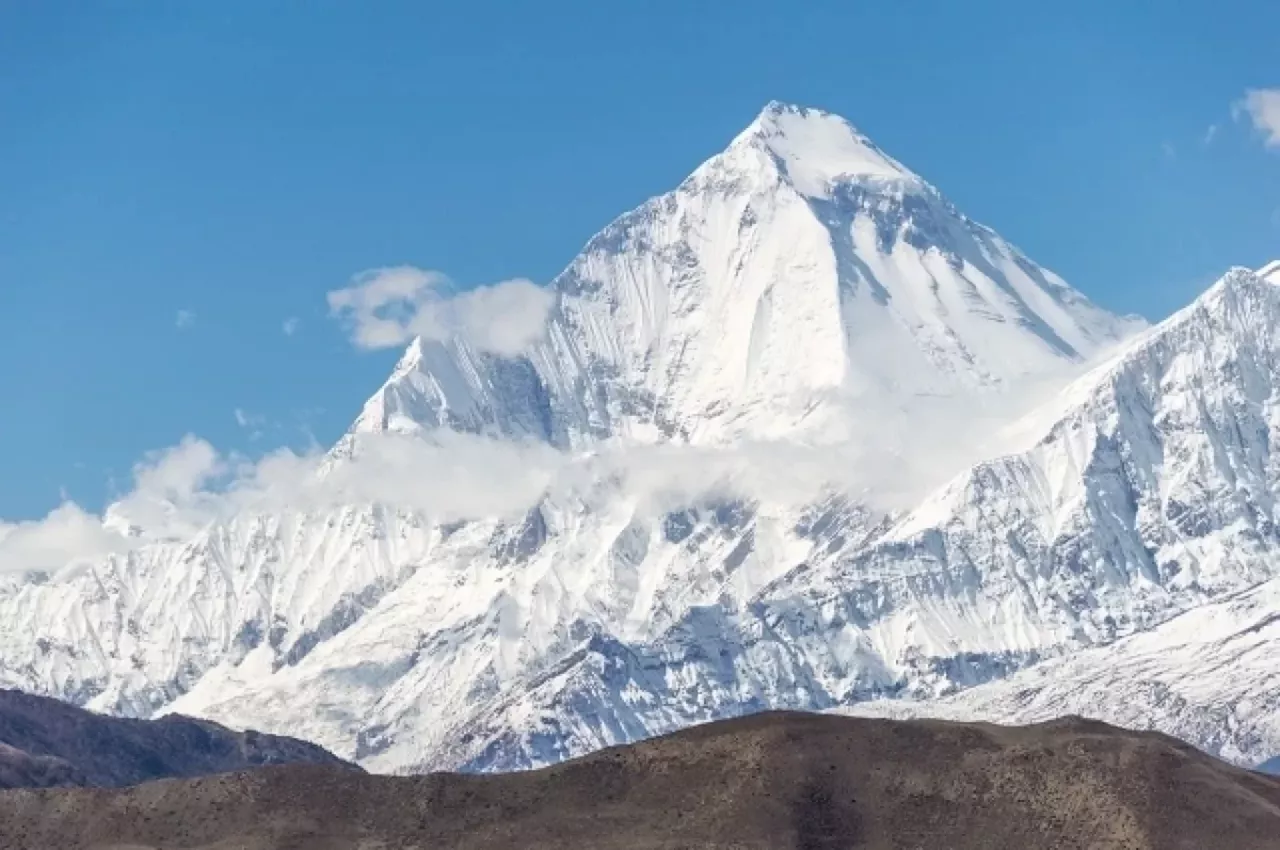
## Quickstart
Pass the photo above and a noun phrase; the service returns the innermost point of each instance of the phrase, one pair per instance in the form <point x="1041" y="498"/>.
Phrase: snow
<point x="1270" y="272"/>
<point x="799" y="297"/>
<point x="1207" y="676"/>
<point x="819" y="149"/>
<point x="1148" y="497"/>
<point x="743" y="306"/>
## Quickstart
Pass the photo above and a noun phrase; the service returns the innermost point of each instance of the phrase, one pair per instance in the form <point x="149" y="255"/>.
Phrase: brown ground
<point x="796" y="781"/>
<point x="46" y="743"/>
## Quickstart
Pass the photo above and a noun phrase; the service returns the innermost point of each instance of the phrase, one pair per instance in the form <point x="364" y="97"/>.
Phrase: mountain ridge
<point x="46" y="743"/>
<point x="733" y="311"/>
<point x="771" y="780"/>
<point x="832" y="633"/>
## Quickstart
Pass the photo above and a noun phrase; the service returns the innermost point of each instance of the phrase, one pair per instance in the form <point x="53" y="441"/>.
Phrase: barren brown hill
<point x="47" y="743"/>
<point x="778" y="780"/>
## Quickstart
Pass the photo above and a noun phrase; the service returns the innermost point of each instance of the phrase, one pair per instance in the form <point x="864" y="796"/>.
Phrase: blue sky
<point x="178" y="181"/>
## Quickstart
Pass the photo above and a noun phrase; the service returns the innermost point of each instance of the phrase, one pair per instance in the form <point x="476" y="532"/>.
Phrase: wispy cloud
<point x="1210" y="133"/>
<point x="185" y="319"/>
<point x="291" y="325"/>
<point x="1170" y="152"/>
<point x="448" y="476"/>
<point x="390" y="306"/>
<point x="1262" y="107"/>
<point x="256" y="424"/>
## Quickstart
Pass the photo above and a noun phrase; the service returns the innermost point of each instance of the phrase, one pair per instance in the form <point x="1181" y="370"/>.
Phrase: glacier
<point x="1053" y="482"/>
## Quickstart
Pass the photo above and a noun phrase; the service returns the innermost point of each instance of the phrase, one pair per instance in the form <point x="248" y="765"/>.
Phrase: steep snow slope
<point x="1208" y="676"/>
<point x="130" y="633"/>
<point x="1152" y="492"/>
<point x="797" y="273"/>
<point x="797" y="278"/>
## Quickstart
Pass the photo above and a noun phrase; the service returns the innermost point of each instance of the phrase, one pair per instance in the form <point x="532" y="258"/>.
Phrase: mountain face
<point x="1207" y="676"/>
<point x="775" y="780"/>
<point x="799" y="269"/>
<point x="46" y="743"/>
<point x="801" y="288"/>
<point x="1145" y="490"/>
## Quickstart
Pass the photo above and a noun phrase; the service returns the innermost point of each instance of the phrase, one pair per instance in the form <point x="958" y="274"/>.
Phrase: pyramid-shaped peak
<point x="817" y="149"/>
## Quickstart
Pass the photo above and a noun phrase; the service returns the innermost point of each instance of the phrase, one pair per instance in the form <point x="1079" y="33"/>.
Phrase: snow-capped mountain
<point x="1146" y="491"/>
<point x="799" y="269"/>
<point x="800" y="287"/>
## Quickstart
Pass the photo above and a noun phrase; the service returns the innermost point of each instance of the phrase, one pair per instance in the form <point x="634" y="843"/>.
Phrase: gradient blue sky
<point x="231" y="162"/>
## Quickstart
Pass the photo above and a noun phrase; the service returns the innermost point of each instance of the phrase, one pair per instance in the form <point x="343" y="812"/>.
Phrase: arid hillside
<point x="779" y="780"/>
<point x="47" y="743"/>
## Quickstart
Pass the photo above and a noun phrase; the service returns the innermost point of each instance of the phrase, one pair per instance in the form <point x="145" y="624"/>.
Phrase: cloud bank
<point x="886" y="461"/>
<point x="388" y="307"/>
<point x="66" y="536"/>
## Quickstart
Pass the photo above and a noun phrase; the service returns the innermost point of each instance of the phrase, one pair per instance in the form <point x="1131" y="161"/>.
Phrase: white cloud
<point x="180" y="490"/>
<point x="1210" y="134"/>
<point x="291" y="325"/>
<point x="64" y="537"/>
<point x="448" y="476"/>
<point x="185" y="319"/>
<point x="173" y="493"/>
<point x="886" y="458"/>
<point x="390" y="306"/>
<point x="170" y="492"/>
<point x="1262" y="106"/>
<point x="1170" y="152"/>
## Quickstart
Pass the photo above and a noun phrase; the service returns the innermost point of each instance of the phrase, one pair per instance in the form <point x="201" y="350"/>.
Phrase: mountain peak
<point x="1237" y="282"/>
<point x="816" y="149"/>
<point x="798" y="269"/>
